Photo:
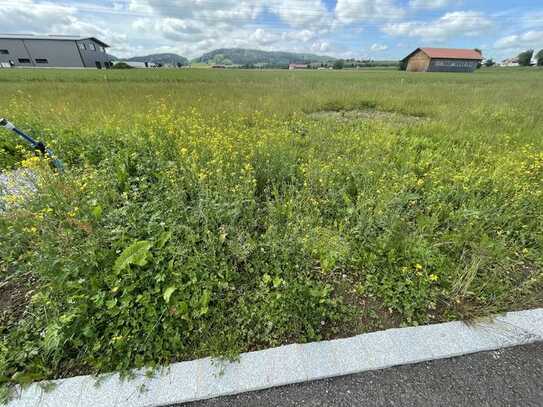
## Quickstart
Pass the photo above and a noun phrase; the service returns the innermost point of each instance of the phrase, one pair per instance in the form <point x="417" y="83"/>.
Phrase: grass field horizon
<point x="212" y="212"/>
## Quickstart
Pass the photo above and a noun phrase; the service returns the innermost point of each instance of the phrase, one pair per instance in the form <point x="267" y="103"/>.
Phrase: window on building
<point x="82" y="46"/>
<point x="92" y="47"/>
<point x="4" y="52"/>
<point x="24" y="60"/>
<point x="42" y="61"/>
<point x="102" y="49"/>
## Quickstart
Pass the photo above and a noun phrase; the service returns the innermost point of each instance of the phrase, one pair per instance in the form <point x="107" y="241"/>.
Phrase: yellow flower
<point x="31" y="162"/>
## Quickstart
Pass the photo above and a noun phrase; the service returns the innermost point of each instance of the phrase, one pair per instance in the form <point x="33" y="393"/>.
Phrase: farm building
<point x="52" y="51"/>
<point x="294" y="67"/>
<point x="443" y="60"/>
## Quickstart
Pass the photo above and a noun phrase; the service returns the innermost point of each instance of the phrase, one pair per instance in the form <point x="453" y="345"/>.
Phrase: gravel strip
<point x="20" y="184"/>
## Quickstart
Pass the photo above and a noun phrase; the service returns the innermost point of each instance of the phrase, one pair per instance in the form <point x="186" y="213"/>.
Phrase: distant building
<point x="509" y="62"/>
<point x="443" y="60"/>
<point x="141" y="65"/>
<point x="52" y="51"/>
<point x="293" y="67"/>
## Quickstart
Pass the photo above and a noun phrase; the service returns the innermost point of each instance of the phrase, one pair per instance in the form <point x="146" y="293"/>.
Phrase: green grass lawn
<point x="211" y="212"/>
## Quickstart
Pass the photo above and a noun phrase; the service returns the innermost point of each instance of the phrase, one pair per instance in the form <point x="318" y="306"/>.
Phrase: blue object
<point x="38" y="145"/>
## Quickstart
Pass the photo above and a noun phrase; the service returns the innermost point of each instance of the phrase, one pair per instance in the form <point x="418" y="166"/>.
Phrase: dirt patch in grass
<point x="368" y="114"/>
<point x="14" y="298"/>
<point x="367" y="313"/>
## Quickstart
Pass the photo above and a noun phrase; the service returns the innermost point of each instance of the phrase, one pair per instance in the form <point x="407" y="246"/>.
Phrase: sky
<point x="376" y="29"/>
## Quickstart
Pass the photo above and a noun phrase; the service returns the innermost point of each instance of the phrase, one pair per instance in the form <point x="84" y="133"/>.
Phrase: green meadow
<point x="212" y="212"/>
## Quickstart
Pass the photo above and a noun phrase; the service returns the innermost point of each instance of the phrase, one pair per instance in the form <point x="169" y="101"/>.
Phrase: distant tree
<point x="525" y="58"/>
<point x="121" y="65"/>
<point x="339" y="64"/>
<point x="479" y="65"/>
<point x="489" y="62"/>
<point x="539" y="58"/>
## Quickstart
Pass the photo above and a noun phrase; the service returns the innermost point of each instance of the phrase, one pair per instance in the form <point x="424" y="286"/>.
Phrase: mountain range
<point x="237" y="56"/>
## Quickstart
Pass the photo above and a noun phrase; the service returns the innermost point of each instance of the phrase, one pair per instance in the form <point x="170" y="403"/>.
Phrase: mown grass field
<point x="212" y="212"/>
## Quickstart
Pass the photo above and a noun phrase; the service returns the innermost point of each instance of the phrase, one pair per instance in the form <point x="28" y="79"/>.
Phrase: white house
<point x="134" y="64"/>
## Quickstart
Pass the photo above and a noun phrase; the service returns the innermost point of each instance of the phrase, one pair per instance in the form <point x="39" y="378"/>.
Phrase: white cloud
<point x="530" y="39"/>
<point x="192" y="27"/>
<point x="30" y="17"/>
<point x="531" y="20"/>
<point x="349" y="11"/>
<point x="320" y="46"/>
<point x="303" y="35"/>
<point x="187" y="27"/>
<point x="299" y="13"/>
<point x="455" y="24"/>
<point x="211" y="11"/>
<point x="138" y="6"/>
<point x="431" y="4"/>
<point x="379" y="47"/>
<point x="296" y="13"/>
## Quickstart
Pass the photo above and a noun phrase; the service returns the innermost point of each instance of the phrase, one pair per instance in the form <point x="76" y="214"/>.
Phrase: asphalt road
<point x="508" y="377"/>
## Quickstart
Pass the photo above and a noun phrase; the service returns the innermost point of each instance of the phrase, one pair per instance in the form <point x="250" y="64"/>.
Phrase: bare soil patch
<point x="14" y="298"/>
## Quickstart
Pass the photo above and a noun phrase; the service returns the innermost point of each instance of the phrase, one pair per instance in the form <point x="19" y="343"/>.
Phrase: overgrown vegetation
<point x="525" y="58"/>
<point x="539" y="58"/>
<point x="489" y="63"/>
<point x="121" y="65"/>
<point x="205" y="213"/>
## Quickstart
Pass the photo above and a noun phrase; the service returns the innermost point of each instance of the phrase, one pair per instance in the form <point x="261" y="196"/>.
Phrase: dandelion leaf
<point x="137" y="253"/>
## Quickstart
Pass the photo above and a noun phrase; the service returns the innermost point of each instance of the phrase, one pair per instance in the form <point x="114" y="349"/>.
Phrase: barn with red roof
<point x="443" y="60"/>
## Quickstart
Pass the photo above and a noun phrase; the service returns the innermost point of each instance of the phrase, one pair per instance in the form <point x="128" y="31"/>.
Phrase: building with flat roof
<point x="52" y="51"/>
<point x="293" y="67"/>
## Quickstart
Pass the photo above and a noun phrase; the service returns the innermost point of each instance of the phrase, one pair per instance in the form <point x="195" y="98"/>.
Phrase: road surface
<point x="508" y="377"/>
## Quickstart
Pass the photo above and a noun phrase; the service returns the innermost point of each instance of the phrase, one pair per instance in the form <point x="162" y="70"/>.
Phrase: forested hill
<point x="240" y="56"/>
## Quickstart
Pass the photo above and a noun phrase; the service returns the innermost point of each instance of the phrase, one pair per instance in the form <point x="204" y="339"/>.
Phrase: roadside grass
<point x="205" y="213"/>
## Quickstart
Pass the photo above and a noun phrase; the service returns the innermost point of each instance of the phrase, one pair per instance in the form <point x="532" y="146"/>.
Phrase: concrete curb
<point x="206" y="378"/>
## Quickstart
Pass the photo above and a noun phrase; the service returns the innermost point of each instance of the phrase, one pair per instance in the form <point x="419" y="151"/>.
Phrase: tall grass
<point x="205" y="213"/>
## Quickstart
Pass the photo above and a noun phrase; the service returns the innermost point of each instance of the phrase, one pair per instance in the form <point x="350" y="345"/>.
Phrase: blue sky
<point x="378" y="29"/>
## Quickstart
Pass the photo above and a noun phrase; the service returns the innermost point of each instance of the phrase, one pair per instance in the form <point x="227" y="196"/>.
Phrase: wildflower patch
<point x="206" y="214"/>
